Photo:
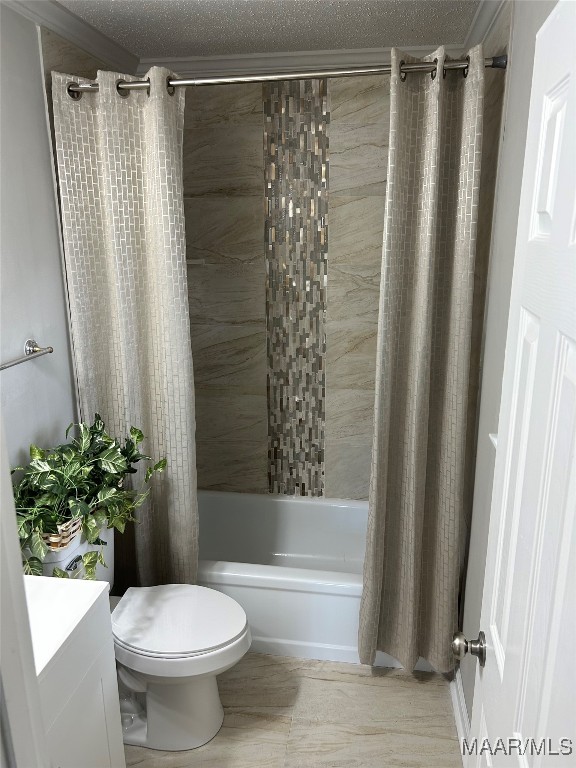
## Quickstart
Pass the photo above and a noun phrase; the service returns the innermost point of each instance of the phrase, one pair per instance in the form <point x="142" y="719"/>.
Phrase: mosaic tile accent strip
<point x="296" y="118"/>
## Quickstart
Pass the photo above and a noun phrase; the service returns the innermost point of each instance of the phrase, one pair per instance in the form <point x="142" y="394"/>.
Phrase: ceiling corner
<point x="485" y="16"/>
<point x="58" y="19"/>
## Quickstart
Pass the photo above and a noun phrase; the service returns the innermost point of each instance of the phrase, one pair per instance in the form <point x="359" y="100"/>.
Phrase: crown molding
<point x="58" y="19"/>
<point x="290" y="61"/>
<point x="483" y="21"/>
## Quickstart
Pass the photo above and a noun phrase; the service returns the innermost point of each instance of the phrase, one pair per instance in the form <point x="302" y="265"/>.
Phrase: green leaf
<point x="98" y="425"/>
<point x="141" y="498"/>
<point x="105" y="494"/>
<point x="23" y="528"/>
<point x="60" y="574"/>
<point x="111" y="460"/>
<point x="101" y="518"/>
<point x="69" y="427"/>
<point x="33" y="566"/>
<point x="78" y="508"/>
<point x="38" y="546"/>
<point x="90" y="560"/>
<point x="160" y="466"/>
<point x="85" y="438"/>
<point x="40" y="465"/>
<point x="90" y="557"/>
<point x="36" y="453"/>
<point x="119" y="524"/>
<point x="136" y="434"/>
<point x="68" y="454"/>
<point x="90" y="528"/>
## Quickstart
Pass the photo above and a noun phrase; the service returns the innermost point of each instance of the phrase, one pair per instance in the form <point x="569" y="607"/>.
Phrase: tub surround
<point x="360" y="116"/>
<point x="225" y="226"/>
<point x="224" y="209"/>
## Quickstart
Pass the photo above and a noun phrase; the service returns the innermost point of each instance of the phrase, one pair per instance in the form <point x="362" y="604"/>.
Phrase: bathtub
<point x="295" y="566"/>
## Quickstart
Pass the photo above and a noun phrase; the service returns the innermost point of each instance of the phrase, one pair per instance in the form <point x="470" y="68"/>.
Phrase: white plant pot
<point x="69" y="558"/>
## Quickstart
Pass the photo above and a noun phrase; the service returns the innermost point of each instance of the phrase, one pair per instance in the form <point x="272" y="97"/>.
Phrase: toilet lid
<point x="175" y="620"/>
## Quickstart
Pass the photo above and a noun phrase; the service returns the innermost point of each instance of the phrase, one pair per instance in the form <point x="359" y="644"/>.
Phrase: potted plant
<point x="77" y="489"/>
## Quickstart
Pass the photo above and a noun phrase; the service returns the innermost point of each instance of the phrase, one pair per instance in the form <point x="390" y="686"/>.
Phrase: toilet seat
<point x="178" y="630"/>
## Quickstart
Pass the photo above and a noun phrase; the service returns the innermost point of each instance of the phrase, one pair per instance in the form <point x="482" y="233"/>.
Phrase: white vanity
<point x="75" y="665"/>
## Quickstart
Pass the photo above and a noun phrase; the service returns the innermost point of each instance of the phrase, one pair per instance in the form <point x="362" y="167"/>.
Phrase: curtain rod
<point x="494" y="62"/>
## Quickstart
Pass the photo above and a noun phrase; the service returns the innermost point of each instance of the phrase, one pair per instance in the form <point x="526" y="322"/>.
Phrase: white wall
<point x="528" y="17"/>
<point x="37" y="397"/>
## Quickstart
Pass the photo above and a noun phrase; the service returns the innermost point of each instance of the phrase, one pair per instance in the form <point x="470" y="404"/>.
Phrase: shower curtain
<point x="119" y="156"/>
<point x="420" y="489"/>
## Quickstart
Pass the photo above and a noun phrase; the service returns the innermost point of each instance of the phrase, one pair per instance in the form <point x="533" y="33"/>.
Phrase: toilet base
<point x="176" y="717"/>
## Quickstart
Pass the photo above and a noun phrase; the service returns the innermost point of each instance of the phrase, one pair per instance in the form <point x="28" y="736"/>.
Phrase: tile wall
<point x="224" y="199"/>
<point x="296" y="128"/>
<point x="360" y="109"/>
<point x="224" y="205"/>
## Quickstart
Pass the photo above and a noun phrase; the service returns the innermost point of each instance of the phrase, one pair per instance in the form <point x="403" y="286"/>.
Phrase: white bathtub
<point x="294" y="564"/>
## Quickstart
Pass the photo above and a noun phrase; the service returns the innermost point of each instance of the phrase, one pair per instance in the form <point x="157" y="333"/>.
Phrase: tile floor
<point x="295" y="713"/>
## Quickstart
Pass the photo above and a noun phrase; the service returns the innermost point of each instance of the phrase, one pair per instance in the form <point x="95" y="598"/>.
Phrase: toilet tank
<point x="68" y="559"/>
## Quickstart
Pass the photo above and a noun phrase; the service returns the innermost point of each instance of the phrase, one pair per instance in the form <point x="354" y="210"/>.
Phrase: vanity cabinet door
<point x="79" y="696"/>
<point x="80" y="734"/>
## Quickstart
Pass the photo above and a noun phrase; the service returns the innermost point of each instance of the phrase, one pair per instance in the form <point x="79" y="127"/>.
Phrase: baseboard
<point x="300" y="650"/>
<point x="323" y="652"/>
<point x="460" y="710"/>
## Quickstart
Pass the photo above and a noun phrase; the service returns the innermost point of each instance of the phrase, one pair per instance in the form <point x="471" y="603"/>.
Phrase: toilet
<point x="170" y="642"/>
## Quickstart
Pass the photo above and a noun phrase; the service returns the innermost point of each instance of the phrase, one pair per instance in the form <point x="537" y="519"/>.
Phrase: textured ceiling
<point x="183" y="28"/>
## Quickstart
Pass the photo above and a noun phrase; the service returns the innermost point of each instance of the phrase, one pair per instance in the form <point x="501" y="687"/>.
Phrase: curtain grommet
<point x="170" y="88"/>
<point x="402" y="74"/>
<point x="465" y="70"/>
<point x="434" y="71"/>
<point x="119" y="91"/>
<point x="74" y="95"/>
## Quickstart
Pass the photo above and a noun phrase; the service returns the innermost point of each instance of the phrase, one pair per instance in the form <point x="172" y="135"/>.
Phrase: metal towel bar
<point x="31" y="350"/>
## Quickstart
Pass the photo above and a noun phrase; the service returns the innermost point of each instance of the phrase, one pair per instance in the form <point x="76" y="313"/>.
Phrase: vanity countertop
<point x="55" y="608"/>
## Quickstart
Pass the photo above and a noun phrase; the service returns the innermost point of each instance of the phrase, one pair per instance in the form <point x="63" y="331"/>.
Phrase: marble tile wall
<point x="224" y="207"/>
<point x="360" y="108"/>
<point x="224" y="200"/>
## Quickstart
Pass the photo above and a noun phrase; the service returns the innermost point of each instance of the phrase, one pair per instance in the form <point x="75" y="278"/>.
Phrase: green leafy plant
<point x="82" y="479"/>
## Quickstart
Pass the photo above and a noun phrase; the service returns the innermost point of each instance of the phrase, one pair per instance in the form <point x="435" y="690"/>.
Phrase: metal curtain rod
<point x="31" y="351"/>
<point x="493" y="62"/>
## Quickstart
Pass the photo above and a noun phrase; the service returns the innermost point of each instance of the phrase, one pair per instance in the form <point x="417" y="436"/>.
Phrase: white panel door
<point x="527" y="688"/>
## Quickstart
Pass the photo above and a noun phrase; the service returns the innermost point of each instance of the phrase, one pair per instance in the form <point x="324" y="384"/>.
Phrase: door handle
<point x="461" y="646"/>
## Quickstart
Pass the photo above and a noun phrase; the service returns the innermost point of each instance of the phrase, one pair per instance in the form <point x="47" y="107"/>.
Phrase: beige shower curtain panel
<point x="119" y="160"/>
<point x="421" y="461"/>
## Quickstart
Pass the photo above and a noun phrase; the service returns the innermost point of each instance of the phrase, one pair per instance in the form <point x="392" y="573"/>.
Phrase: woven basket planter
<point x="66" y="533"/>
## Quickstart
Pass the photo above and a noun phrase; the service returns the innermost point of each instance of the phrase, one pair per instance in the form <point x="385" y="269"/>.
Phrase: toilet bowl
<point x="170" y="643"/>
